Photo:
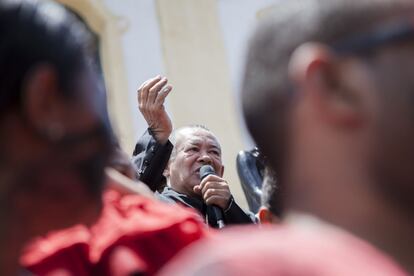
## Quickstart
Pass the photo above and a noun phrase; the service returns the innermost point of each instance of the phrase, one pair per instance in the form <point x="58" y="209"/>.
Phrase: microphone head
<point x="206" y="170"/>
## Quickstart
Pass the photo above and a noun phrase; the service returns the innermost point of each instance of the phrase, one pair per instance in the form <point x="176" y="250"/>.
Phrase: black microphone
<point x="205" y="171"/>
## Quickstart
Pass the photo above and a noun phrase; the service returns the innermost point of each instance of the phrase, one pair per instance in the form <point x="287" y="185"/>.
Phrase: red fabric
<point x="283" y="250"/>
<point x="133" y="234"/>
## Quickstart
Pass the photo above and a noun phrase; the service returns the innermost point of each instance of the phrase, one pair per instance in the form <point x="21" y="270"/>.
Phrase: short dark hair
<point x="267" y="92"/>
<point x="34" y="32"/>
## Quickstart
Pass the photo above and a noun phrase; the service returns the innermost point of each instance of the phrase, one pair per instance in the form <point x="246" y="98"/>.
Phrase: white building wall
<point x="142" y="49"/>
<point x="238" y="18"/>
<point x="143" y="57"/>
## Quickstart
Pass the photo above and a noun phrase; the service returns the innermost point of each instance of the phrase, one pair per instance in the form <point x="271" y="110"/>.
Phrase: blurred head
<point x="194" y="146"/>
<point x="121" y="162"/>
<point x="271" y="207"/>
<point x="56" y="138"/>
<point x="332" y="85"/>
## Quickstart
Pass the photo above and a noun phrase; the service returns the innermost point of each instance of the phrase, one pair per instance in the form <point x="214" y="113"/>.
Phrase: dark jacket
<point x="232" y="215"/>
<point x="151" y="158"/>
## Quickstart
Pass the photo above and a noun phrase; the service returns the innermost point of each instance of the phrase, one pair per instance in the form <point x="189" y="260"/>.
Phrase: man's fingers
<point x="210" y="178"/>
<point x="145" y="83"/>
<point x="152" y="81"/>
<point x="155" y="89"/>
<point x="217" y="200"/>
<point x="144" y="90"/>
<point x="216" y="192"/>
<point x="197" y="189"/>
<point x="213" y="178"/>
<point x="214" y="185"/>
<point x="156" y="78"/>
<point x="162" y="95"/>
<point x="209" y="193"/>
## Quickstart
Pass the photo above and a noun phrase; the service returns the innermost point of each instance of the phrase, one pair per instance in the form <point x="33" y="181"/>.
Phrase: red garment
<point x="133" y="234"/>
<point x="283" y="250"/>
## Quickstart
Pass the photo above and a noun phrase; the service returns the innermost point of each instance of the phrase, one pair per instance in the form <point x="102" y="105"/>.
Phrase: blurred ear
<point x="166" y="172"/>
<point x="265" y="216"/>
<point x="320" y="76"/>
<point x="42" y="102"/>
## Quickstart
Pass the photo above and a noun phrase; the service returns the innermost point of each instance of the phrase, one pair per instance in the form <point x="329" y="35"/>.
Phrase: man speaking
<point x="179" y="160"/>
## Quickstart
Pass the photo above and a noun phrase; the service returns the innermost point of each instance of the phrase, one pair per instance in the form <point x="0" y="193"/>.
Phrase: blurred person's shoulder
<point x="65" y="250"/>
<point x="282" y="250"/>
<point x="134" y="232"/>
<point x="137" y="233"/>
<point x="141" y="213"/>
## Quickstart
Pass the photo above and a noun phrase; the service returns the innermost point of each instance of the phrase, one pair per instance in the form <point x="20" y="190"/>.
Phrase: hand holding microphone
<point x="214" y="190"/>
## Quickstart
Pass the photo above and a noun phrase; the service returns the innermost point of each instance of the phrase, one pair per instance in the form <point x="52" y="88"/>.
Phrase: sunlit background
<point x="198" y="45"/>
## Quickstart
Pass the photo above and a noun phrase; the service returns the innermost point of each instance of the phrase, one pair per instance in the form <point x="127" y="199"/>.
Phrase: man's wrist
<point x="161" y="138"/>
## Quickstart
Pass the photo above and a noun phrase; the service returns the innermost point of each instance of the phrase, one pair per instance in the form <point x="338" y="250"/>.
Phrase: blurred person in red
<point x="54" y="128"/>
<point x="56" y="143"/>
<point x="135" y="234"/>
<point x="328" y="97"/>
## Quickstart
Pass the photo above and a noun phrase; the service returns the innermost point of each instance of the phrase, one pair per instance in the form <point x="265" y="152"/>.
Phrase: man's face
<point x="194" y="148"/>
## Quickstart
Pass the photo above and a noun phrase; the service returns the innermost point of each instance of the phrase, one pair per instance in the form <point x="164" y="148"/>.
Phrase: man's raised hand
<point x="151" y="98"/>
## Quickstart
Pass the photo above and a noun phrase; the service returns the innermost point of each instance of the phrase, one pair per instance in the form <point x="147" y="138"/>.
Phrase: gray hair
<point x="176" y="133"/>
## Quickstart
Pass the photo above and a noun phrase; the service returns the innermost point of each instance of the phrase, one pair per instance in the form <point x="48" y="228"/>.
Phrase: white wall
<point x="143" y="57"/>
<point x="142" y="49"/>
<point x="238" y="18"/>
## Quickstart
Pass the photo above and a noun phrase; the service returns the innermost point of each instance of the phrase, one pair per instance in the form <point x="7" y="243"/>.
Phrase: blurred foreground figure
<point x="54" y="132"/>
<point x="55" y="144"/>
<point x="328" y="97"/>
<point x="135" y="234"/>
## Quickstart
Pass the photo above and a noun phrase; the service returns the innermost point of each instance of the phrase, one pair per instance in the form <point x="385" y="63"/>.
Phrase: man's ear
<point x="319" y="74"/>
<point x="166" y="172"/>
<point x="42" y="103"/>
<point x="264" y="215"/>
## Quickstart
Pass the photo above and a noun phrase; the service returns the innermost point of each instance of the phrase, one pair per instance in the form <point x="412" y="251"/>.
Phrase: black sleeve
<point x="150" y="158"/>
<point x="235" y="215"/>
